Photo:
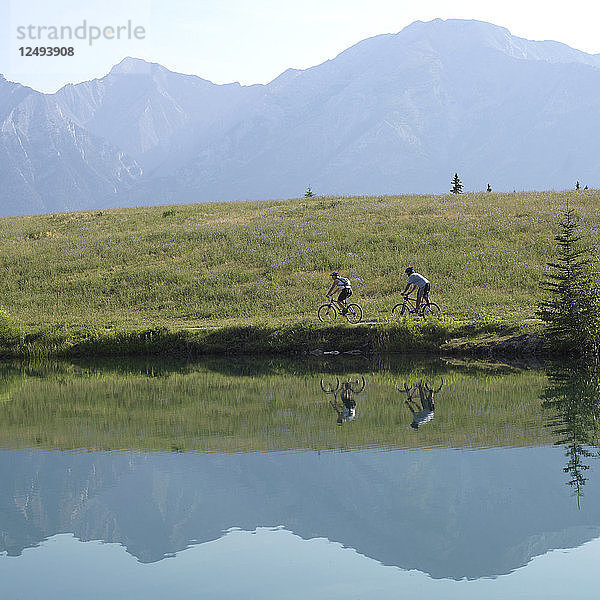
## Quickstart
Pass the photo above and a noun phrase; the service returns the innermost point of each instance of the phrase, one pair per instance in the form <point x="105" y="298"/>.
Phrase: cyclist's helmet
<point x="334" y="274"/>
<point x="409" y="271"/>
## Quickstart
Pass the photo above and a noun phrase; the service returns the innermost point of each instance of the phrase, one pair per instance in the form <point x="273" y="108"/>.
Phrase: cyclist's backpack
<point x="345" y="282"/>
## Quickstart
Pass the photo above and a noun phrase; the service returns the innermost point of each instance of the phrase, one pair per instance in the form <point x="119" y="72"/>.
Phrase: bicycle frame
<point x="352" y="312"/>
<point x="409" y="305"/>
<point x="333" y="302"/>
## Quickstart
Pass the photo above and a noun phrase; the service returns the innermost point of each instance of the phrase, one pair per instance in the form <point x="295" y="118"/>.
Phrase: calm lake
<point x="323" y="478"/>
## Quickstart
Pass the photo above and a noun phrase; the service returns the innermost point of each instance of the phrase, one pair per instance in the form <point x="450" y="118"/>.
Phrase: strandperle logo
<point x="84" y="31"/>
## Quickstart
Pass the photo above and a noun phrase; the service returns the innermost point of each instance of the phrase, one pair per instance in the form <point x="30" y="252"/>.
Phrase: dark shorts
<point x="424" y="291"/>
<point x="349" y="403"/>
<point x="345" y="293"/>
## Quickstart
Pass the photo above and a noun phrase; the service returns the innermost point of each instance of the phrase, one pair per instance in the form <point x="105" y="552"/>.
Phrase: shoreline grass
<point x="433" y="337"/>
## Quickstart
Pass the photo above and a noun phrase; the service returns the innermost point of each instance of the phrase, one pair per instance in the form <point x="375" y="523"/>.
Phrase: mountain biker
<point x="416" y="280"/>
<point x="343" y="285"/>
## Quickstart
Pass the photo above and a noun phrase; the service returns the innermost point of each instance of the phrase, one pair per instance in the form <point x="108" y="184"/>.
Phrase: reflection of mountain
<point x="445" y="512"/>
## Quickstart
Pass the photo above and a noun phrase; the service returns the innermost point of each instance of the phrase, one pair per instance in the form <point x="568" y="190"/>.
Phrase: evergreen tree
<point x="308" y="193"/>
<point x="457" y="185"/>
<point x="572" y="310"/>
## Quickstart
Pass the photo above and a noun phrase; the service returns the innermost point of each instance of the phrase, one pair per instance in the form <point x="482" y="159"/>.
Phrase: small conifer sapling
<point x="457" y="185"/>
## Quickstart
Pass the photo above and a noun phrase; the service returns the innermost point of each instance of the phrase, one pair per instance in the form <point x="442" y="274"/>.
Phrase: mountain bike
<point x="328" y="313"/>
<point x="409" y="306"/>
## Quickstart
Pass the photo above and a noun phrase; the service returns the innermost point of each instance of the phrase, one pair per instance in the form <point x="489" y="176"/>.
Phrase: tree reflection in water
<point x="572" y="401"/>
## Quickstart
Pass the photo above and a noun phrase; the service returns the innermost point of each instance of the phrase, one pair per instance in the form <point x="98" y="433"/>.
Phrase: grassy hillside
<point x="267" y="263"/>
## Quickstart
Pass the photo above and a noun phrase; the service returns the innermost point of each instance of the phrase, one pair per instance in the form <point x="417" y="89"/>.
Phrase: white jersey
<point x="343" y="283"/>
<point x="349" y="414"/>
<point x="417" y="280"/>
<point x="423" y="416"/>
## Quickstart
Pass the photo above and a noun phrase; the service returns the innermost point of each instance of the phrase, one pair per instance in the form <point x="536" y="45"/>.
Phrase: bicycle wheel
<point x="327" y="313"/>
<point x="399" y="309"/>
<point x="354" y="314"/>
<point x="431" y="311"/>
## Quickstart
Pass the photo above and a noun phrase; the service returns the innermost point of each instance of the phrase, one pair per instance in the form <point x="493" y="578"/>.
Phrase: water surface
<point x="236" y="479"/>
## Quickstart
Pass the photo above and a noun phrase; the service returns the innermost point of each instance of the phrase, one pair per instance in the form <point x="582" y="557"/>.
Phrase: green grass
<point x="114" y="273"/>
<point x="257" y="406"/>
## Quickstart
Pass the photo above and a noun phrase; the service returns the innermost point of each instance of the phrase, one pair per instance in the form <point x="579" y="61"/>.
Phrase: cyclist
<point x="343" y="285"/>
<point x="416" y="280"/>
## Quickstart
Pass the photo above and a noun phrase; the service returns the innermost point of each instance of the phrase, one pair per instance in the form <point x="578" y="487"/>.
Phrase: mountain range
<point x="395" y="113"/>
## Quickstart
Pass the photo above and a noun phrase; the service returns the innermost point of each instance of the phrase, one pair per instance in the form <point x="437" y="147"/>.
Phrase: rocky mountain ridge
<point x="396" y="113"/>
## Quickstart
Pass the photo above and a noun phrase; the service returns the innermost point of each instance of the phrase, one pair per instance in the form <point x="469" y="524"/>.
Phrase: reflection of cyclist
<point x="343" y="285"/>
<point x="415" y="280"/>
<point x="349" y="411"/>
<point x="425" y="412"/>
<point x="346" y="411"/>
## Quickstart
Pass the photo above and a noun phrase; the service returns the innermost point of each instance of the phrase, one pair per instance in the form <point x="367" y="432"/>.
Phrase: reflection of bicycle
<point x="431" y="389"/>
<point x="426" y="310"/>
<point x="328" y="312"/>
<point x="353" y="385"/>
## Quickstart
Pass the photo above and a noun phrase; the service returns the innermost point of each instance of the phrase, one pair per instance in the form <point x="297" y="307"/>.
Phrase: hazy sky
<point x="253" y="41"/>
